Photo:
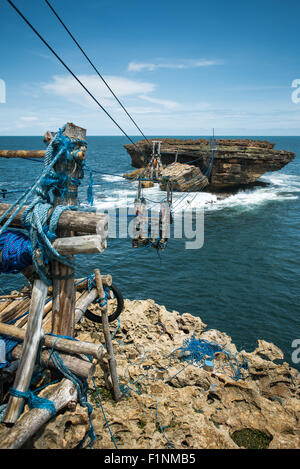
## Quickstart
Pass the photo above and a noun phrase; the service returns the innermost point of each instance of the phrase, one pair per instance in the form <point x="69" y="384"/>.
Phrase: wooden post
<point x="109" y="347"/>
<point x="29" y="352"/>
<point x="80" y="222"/>
<point x="63" y="311"/>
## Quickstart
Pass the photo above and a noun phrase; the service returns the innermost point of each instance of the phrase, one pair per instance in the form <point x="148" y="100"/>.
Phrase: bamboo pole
<point x="5" y="304"/>
<point x="10" y="308"/>
<point x="15" y="310"/>
<point x="29" y="352"/>
<point x="108" y="341"/>
<point x="16" y="297"/>
<point x="60" y="394"/>
<point x="22" y="154"/>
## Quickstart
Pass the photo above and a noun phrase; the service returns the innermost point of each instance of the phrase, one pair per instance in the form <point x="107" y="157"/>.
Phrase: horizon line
<point x="169" y="136"/>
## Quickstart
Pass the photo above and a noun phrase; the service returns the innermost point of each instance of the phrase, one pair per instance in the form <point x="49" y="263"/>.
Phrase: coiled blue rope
<point x="16" y="252"/>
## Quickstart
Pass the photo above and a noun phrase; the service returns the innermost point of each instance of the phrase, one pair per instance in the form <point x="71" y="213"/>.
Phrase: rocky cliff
<point x="238" y="162"/>
<point x="169" y="402"/>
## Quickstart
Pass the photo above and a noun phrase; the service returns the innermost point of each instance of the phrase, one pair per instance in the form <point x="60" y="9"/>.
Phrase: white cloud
<point x="67" y="87"/>
<point x="162" y="102"/>
<point x="28" y="118"/>
<point x="183" y="64"/>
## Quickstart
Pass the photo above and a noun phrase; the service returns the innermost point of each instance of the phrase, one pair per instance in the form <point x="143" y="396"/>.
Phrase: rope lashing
<point x="81" y="385"/>
<point x="42" y="234"/>
<point x="35" y="401"/>
<point x="103" y="301"/>
<point x="41" y="227"/>
<point x="19" y="204"/>
<point x="91" y="283"/>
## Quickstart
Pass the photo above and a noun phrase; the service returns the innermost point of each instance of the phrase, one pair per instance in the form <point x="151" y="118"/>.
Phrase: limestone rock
<point x="268" y="350"/>
<point x="238" y="163"/>
<point x="65" y="431"/>
<point x="171" y="402"/>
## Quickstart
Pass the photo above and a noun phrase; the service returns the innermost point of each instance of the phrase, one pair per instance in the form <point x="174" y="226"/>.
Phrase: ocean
<point x="245" y="279"/>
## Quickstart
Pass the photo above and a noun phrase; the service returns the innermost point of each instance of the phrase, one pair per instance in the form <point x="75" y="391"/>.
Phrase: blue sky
<point x="180" y="68"/>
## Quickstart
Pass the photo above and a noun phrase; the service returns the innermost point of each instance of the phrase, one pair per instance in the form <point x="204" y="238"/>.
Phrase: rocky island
<point x="238" y="163"/>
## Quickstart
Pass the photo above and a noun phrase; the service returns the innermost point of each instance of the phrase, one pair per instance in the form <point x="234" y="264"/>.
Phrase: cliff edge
<point x="173" y="402"/>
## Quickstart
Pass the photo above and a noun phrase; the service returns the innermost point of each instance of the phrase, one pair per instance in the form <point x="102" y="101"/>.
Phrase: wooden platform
<point x="17" y="305"/>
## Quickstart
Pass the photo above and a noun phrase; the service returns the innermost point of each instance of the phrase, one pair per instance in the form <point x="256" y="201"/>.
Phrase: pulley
<point x="156" y="166"/>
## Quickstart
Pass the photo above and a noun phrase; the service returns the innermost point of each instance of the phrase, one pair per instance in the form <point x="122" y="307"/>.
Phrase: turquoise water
<point x="243" y="281"/>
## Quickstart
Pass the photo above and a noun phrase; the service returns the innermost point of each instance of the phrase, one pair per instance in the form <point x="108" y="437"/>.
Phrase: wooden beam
<point x="83" y="368"/>
<point x="37" y="154"/>
<point x="76" y="221"/>
<point x="58" y="343"/>
<point x="79" y="245"/>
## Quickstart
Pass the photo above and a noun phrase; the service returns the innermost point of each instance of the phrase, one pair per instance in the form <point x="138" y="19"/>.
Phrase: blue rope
<point x="34" y="401"/>
<point x="22" y="200"/>
<point x="102" y="409"/>
<point x="201" y="352"/>
<point x="16" y="252"/>
<point x="162" y="429"/>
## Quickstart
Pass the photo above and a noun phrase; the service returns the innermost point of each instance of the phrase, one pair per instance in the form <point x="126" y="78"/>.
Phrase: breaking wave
<point x="280" y="187"/>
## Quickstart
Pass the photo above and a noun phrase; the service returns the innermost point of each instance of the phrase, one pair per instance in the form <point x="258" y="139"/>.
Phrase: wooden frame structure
<point x="77" y="233"/>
